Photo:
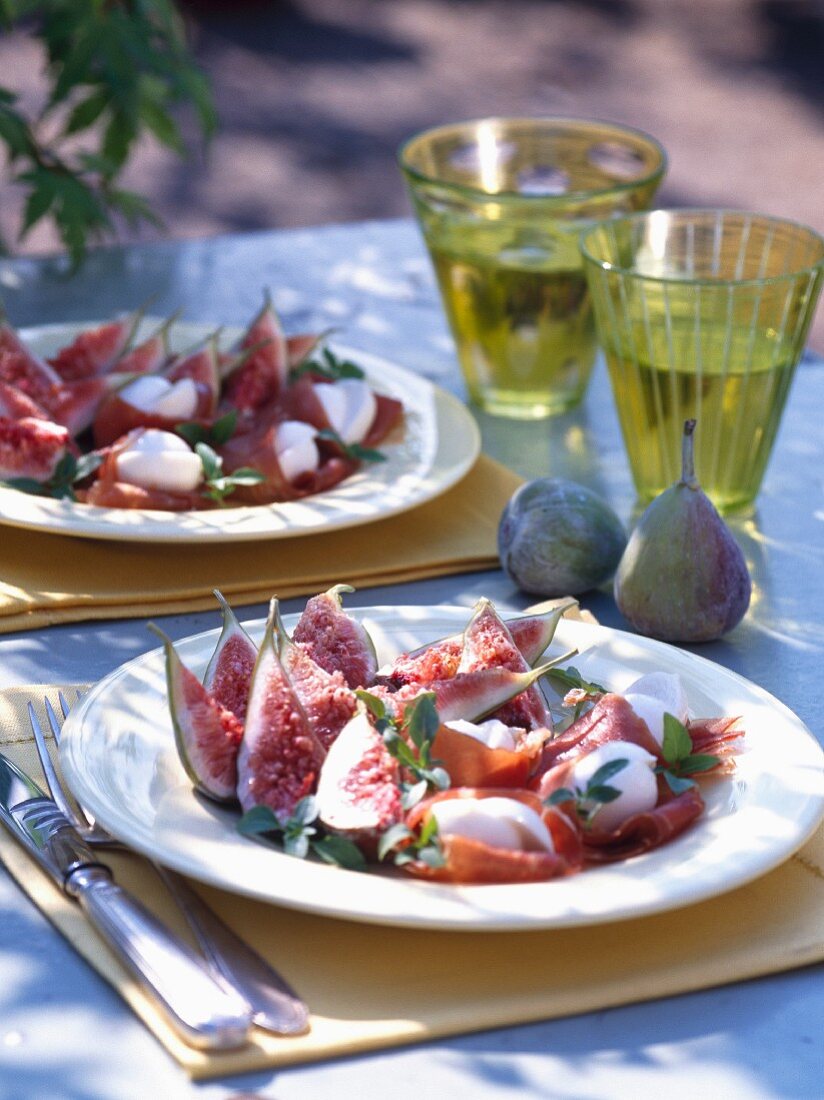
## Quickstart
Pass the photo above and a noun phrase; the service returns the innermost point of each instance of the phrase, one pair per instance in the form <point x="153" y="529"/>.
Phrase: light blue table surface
<point x="65" y="1034"/>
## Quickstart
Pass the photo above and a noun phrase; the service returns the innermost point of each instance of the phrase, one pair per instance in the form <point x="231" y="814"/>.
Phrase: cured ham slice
<point x="471" y="763"/>
<point x="116" y="416"/>
<point x="108" y="492"/>
<point x="645" y="831"/>
<point x="721" y="737"/>
<point x="469" y="860"/>
<point x="611" y="719"/>
<point x="257" y="449"/>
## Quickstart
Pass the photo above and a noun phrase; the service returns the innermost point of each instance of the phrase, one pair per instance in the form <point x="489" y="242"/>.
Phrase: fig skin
<point x="558" y="538"/>
<point x="683" y="577"/>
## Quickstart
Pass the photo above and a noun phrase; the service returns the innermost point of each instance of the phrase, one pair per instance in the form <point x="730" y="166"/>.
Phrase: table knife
<point x="203" y="1012"/>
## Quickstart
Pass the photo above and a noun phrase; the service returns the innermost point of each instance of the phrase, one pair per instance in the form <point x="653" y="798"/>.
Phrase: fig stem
<point x="688" y="456"/>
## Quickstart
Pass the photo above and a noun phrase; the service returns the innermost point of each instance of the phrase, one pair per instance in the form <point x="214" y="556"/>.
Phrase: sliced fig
<point x="262" y="374"/>
<point x="22" y="368"/>
<point x="31" y="448"/>
<point x="95" y="350"/>
<point x="301" y="346"/>
<point x="359" y="792"/>
<point x="202" y="365"/>
<point x="14" y="404"/>
<point x="439" y="660"/>
<point x="335" y="640"/>
<point x="207" y="735"/>
<point x="148" y="356"/>
<point x="229" y="672"/>
<point x="327" y="701"/>
<point x="75" y="404"/>
<point x="469" y="695"/>
<point x="488" y="644"/>
<point x="280" y="758"/>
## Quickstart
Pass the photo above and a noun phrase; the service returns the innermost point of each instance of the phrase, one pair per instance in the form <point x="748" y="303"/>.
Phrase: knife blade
<point x="203" y="1012"/>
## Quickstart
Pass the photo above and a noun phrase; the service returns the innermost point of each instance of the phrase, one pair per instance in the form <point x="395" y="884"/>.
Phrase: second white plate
<point x="440" y="445"/>
<point x="119" y="757"/>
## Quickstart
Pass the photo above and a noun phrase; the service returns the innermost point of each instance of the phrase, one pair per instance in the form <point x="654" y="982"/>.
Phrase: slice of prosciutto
<point x="644" y="831"/>
<point x="472" y="860"/>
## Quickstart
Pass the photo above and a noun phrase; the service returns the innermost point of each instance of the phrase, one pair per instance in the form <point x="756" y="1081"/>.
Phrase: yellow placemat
<point x="47" y="579"/>
<point x="370" y="987"/>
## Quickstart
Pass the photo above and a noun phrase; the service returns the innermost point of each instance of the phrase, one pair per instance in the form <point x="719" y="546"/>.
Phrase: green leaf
<point x="563" y="794"/>
<point x="329" y="366"/>
<point x="223" y="429"/>
<point x="602" y="793"/>
<point x="563" y="680"/>
<point x="677" y="743"/>
<point x="87" y="112"/>
<point x="296" y="845"/>
<point x="697" y="762"/>
<point x="392" y="838"/>
<point x="375" y="706"/>
<point x="26" y="485"/>
<point x="340" y="851"/>
<point x="413" y="795"/>
<point x="162" y="125"/>
<point x="675" y="783"/>
<point x="606" y="772"/>
<point x="193" y="433"/>
<point x="305" y="811"/>
<point x="259" y="820"/>
<point x="420" y="719"/>
<point x="352" y="450"/>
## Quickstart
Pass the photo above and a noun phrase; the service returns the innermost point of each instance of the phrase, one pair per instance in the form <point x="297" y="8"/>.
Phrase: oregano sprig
<point x="329" y="366"/>
<point x="410" y="743"/>
<point x="67" y="473"/>
<point x="407" y="847"/>
<point x="214" y="435"/>
<point x="301" y="834"/>
<point x="217" y="484"/>
<point x="352" y="450"/>
<point x="681" y="761"/>
<point x="597" y="793"/>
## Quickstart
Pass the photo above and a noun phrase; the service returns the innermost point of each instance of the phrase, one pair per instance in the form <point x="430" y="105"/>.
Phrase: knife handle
<point x="202" y="1012"/>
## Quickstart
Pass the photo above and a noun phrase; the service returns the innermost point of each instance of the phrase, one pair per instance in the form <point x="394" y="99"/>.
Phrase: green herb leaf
<point x="375" y="706"/>
<point x="328" y="366"/>
<point x="390" y="839"/>
<point x="677" y="743"/>
<point x="697" y="762"/>
<point x="420" y="719"/>
<point x="340" y="851"/>
<point x="675" y="783"/>
<point x="259" y="820"/>
<point x="569" y="679"/>
<point x="352" y="450"/>
<point x="563" y="794"/>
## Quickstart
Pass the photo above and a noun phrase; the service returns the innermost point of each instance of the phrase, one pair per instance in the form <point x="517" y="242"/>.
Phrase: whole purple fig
<point x="683" y="577"/>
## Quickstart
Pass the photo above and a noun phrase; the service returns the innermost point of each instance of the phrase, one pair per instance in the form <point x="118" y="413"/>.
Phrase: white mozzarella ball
<point x="350" y="406"/>
<point x="160" y="460"/>
<point x="636" y="781"/>
<point x="152" y="394"/>
<point x="654" y="695"/>
<point x="499" y="822"/>
<point x="296" y="448"/>
<point x="493" y="733"/>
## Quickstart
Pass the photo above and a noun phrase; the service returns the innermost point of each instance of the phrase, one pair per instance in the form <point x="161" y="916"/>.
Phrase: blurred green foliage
<point x="116" y="70"/>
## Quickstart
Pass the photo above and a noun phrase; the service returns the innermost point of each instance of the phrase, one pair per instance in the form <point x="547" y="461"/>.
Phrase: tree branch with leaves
<point x="117" y="70"/>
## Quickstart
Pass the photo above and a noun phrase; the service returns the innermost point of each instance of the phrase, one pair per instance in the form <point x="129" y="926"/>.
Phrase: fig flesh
<point x="327" y="701"/>
<point x="488" y="644"/>
<point x="683" y="577"/>
<point x="207" y="735"/>
<point x="279" y="758"/>
<point x="359" y="792"/>
<point x="336" y="641"/>
<point x="229" y="672"/>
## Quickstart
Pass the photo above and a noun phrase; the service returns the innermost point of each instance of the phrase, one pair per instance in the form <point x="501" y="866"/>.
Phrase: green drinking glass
<point x="702" y="314"/>
<point x="501" y="203"/>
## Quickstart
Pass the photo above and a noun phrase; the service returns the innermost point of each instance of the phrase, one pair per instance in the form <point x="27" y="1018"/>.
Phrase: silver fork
<point x="275" y="1005"/>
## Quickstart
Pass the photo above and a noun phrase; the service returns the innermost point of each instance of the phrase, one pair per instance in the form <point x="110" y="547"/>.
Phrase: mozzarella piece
<point x="350" y="406"/>
<point x="493" y="733"/>
<point x="498" y="822"/>
<point x="296" y="448"/>
<point x="636" y="781"/>
<point x="152" y="394"/>
<point x="160" y="460"/>
<point x="654" y="695"/>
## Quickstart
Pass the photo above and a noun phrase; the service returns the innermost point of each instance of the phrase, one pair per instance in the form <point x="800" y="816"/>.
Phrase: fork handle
<point x="202" y="1012"/>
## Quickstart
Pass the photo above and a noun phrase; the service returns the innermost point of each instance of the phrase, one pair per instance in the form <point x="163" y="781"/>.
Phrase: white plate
<point x="441" y="443"/>
<point x="118" y="754"/>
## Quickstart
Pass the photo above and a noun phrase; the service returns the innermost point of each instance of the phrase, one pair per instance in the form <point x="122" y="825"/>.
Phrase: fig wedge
<point x="229" y="672"/>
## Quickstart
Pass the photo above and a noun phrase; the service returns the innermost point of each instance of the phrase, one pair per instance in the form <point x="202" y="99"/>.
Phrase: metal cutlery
<point x="274" y="1004"/>
<point x="204" y="1012"/>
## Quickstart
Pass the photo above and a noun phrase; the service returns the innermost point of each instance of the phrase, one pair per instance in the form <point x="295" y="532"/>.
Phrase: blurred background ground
<point x="314" y="97"/>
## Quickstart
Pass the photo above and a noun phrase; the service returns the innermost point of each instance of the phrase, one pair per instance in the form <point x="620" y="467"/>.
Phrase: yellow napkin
<point x="370" y="987"/>
<point x="46" y="579"/>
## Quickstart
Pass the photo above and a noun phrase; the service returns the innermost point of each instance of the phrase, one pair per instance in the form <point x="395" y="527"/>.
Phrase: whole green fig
<point x="683" y="577"/>
<point x="558" y="538"/>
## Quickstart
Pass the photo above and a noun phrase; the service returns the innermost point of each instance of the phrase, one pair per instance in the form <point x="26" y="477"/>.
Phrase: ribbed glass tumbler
<point x="702" y="314"/>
